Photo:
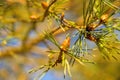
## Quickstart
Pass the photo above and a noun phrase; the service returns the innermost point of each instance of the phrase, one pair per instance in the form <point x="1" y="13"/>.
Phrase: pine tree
<point x="25" y="24"/>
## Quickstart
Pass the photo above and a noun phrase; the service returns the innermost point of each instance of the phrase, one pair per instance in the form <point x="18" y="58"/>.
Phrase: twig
<point x="47" y="10"/>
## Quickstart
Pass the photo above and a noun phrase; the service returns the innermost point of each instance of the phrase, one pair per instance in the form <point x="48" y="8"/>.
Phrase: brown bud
<point x="91" y="37"/>
<point x="62" y="15"/>
<point x="34" y="17"/>
<point x="91" y="27"/>
<point x="104" y="17"/>
<point x="65" y="44"/>
<point x="44" y="4"/>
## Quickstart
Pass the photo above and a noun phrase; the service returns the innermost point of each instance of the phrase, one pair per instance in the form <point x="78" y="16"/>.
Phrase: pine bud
<point x="104" y="17"/>
<point x="91" y="27"/>
<point x="34" y="17"/>
<point x="44" y="4"/>
<point x="91" y="37"/>
<point x="62" y="15"/>
<point x="65" y="44"/>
